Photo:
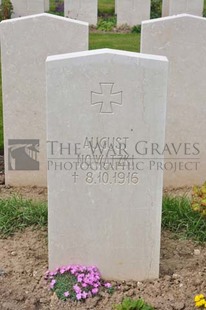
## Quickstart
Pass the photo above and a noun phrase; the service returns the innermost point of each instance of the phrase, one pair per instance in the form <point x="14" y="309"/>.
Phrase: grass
<point x="17" y="213"/>
<point x="177" y="216"/>
<point x="127" y="42"/>
<point x="106" y="7"/>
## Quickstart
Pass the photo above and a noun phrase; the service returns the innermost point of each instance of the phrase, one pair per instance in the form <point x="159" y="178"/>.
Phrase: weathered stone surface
<point x="180" y="38"/>
<point x="165" y="7"/>
<point x="25" y="44"/>
<point x="105" y="211"/>
<point x="173" y="7"/>
<point x="84" y="10"/>
<point x="132" y="12"/>
<point x="28" y="7"/>
<point x="46" y="5"/>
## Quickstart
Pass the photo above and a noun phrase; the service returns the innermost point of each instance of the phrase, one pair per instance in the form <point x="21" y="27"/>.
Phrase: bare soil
<point x="40" y="193"/>
<point x="29" y="192"/>
<point x="23" y="263"/>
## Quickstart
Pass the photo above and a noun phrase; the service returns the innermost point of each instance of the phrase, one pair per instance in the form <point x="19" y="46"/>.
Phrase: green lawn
<point x="106" y="7"/>
<point x="127" y="42"/>
<point x="177" y="216"/>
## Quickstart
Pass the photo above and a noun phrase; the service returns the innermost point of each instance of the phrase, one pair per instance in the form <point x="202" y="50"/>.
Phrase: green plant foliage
<point x="131" y="304"/>
<point x="199" y="199"/>
<point x="204" y="12"/>
<point x="179" y="217"/>
<point x="106" y="7"/>
<point x="106" y="24"/>
<point x="57" y="7"/>
<point x="76" y="282"/>
<point x="6" y="9"/>
<point x="17" y="213"/>
<point x="65" y="282"/>
<point x="136" y="29"/>
<point x="156" y="8"/>
<point x="52" y="6"/>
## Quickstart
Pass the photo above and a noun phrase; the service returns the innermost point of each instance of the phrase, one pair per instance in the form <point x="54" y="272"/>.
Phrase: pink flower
<point x="73" y="270"/>
<point x="95" y="290"/>
<point x="78" y="296"/>
<point x="79" y="278"/>
<point x="84" y="295"/>
<point x="53" y="282"/>
<point x="62" y="270"/>
<point x="108" y="285"/>
<point x="66" y="294"/>
<point x="77" y="289"/>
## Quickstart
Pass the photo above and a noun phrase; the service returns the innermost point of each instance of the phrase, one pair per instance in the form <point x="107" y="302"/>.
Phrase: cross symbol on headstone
<point x="106" y="98"/>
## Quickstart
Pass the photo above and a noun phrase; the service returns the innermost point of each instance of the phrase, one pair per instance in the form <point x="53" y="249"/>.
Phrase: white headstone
<point x="180" y="38"/>
<point x="25" y="44"/>
<point x="46" y="5"/>
<point x="115" y="8"/>
<point x="132" y="12"/>
<point x="103" y="210"/>
<point x="165" y="7"/>
<point x="27" y="7"/>
<point x="84" y="10"/>
<point x="174" y="7"/>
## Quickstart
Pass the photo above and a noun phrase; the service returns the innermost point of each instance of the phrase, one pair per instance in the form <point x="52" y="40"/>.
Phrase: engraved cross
<point x="106" y="98"/>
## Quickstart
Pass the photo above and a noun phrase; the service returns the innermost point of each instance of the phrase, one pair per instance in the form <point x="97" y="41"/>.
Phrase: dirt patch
<point x="40" y="193"/>
<point x="34" y="192"/>
<point x="180" y="191"/>
<point x="23" y="262"/>
<point x="124" y="29"/>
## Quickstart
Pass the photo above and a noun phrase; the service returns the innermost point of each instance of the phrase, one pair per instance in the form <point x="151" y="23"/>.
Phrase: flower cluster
<point x="199" y="199"/>
<point x="60" y="7"/>
<point x="200" y="301"/>
<point x="76" y="282"/>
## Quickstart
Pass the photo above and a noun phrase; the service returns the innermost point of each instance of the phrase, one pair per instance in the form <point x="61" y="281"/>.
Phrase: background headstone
<point x="46" y="5"/>
<point x="104" y="211"/>
<point x="115" y="8"/>
<point x="28" y="7"/>
<point x="25" y="44"/>
<point x="132" y="12"/>
<point x="174" y="7"/>
<point x="180" y="38"/>
<point x="84" y="10"/>
<point x="165" y="7"/>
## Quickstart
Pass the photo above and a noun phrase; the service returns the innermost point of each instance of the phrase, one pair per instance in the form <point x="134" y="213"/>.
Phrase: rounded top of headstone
<point x="173" y="17"/>
<point x="105" y="52"/>
<point x="45" y="16"/>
